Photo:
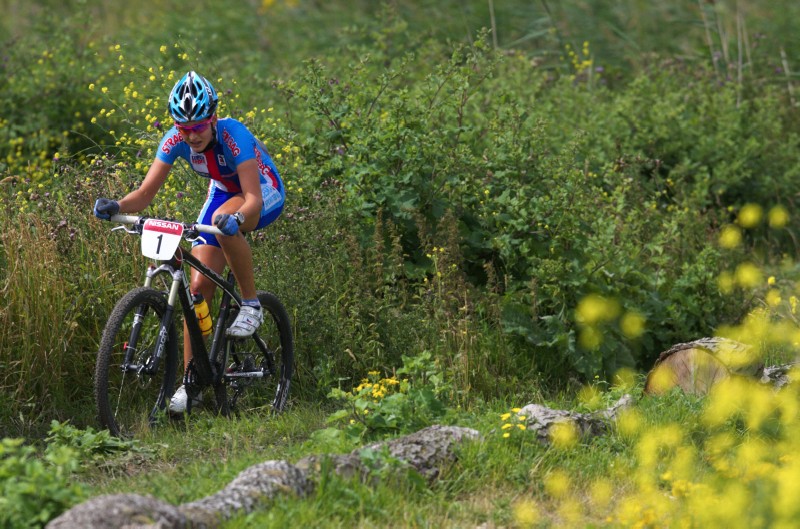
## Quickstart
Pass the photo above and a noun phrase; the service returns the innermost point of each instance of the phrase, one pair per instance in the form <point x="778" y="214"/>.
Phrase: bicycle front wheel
<point x="260" y="373"/>
<point x="131" y="387"/>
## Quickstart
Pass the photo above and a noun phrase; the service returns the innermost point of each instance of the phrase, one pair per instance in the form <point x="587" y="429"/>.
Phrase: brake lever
<point x="192" y="234"/>
<point x="127" y="229"/>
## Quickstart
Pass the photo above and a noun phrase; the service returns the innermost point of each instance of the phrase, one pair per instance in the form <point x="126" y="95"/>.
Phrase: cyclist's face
<point x="198" y="134"/>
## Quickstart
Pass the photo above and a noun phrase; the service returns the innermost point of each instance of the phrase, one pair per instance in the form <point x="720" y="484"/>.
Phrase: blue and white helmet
<point x="192" y="99"/>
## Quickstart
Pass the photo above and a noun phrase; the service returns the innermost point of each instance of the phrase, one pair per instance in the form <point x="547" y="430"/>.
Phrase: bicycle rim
<point x="131" y="400"/>
<point x="269" y="392"/>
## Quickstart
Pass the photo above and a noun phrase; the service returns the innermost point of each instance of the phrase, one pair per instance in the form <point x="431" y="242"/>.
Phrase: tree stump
<point x="697" y="366"/>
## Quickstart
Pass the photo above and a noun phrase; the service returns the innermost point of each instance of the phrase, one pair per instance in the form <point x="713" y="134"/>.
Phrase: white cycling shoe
<point x="246" y="323"/>
<point x="177" y="404"/>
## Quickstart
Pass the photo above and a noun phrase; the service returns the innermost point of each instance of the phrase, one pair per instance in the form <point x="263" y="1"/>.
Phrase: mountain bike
<point x="137" y="361"/>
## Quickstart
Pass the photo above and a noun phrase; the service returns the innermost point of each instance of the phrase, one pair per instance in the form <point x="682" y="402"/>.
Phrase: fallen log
<point x="695" y="367"/>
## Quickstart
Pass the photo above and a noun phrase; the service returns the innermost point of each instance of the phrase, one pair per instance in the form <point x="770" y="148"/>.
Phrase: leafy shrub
<point x="45" y="74"/>
<point x="618" y="197"/>
<point x="391" y="405"/>
<point x="36" y="486"/>
<point x="88" y="442"/>
<point x="36" y="490"/>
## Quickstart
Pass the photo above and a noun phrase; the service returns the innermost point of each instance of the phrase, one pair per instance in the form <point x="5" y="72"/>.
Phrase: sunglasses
<point x="197" y="128"/>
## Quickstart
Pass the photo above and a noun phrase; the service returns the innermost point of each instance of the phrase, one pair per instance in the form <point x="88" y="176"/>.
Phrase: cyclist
<point x="245" y="193"/>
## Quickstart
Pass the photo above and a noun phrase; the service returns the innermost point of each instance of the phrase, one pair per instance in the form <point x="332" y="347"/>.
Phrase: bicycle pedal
<point x="235" y="338"/>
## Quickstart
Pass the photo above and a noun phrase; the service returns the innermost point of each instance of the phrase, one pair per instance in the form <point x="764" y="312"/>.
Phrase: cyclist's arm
<point x="140" y="198"/>
<point x="251" y="191"/>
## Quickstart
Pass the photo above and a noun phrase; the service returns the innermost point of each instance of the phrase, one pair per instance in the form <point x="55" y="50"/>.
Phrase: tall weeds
<point x="61" y="273"/>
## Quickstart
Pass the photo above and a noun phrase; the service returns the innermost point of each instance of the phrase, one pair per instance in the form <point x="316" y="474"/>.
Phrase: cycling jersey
<point x="234" y="144"/>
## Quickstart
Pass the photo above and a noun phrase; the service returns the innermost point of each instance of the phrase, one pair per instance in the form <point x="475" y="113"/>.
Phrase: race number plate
<point x="160" y="238"/>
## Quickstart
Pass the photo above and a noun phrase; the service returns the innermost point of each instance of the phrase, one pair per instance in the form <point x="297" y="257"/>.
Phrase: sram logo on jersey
<point x="231" y="143"/>
<point x="163" y="226"/>
<point x="171" y="142"/>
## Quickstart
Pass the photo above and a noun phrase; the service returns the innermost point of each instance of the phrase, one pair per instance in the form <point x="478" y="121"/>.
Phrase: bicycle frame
<point x="138" y="360"/>
<point x="206" y="364"/>
<point x="205" y="361"/>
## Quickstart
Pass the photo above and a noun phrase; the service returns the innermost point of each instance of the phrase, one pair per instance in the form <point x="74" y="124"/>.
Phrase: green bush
<point x="38" y="486"/>
<point x="402" y="403"/>
<point x="619" y="197"/>
<point x="37" y="489"/>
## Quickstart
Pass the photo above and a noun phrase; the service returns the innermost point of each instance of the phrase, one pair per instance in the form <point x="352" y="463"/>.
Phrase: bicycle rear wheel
<point x="130" y="394"/>
<point x="260" y="372"/>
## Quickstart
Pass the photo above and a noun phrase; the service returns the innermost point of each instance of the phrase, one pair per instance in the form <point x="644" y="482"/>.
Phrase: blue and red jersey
<point x="235" y="144"/>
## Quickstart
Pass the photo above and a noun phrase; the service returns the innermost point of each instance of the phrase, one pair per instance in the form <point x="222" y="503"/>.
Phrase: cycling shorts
<point x="271" y="209"/>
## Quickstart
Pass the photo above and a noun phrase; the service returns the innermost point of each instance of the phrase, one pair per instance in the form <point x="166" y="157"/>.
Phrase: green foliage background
<point x="452" y="190"/>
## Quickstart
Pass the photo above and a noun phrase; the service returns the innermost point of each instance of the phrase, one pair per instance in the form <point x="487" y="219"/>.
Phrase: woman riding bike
<point x="245" y="193"/>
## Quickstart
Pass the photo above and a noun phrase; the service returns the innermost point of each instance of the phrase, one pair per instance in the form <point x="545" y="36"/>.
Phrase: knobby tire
<point x="127" y="402"/>
<point x="272" y="391"/>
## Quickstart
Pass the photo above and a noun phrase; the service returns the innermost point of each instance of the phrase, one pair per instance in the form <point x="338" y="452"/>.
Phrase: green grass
<point x="205" y="452"/>
<point x="661" y="460"/>
<point x="184" y="463"/>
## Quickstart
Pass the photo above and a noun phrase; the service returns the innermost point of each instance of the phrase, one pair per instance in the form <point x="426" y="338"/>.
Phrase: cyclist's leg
<point x="209" y="253"/>
<point x="237" y="249"/>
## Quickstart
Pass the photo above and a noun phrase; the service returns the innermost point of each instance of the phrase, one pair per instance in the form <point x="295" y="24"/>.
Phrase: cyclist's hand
<point x="226" y="223"/>
<point x="105" y="208"/>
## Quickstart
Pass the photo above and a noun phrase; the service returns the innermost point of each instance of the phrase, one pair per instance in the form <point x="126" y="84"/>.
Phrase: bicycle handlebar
<point x="134" y="219"/>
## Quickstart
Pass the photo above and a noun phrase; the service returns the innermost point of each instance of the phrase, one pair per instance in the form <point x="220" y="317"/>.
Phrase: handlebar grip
<point x="207" y="228"/>
<point x="124" y="219"/>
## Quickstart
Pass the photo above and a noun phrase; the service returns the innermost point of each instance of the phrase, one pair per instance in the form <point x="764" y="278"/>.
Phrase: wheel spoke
<point x="270" y="353"/>
<point x="127" y="402"/>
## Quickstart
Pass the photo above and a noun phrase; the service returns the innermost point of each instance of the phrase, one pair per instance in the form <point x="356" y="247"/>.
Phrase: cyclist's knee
<point x="202" y="285"/>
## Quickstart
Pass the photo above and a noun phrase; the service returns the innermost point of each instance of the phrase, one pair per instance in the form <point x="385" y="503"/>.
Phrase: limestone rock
<point x="428" y="448"/>
<point x="254" y="487"/>
<point x="540" y="419"/>
<point x="345" y="465"/>
<point x="425" y="451"/>
<point x="779" y="375"/>
<point x="121" y="511"/>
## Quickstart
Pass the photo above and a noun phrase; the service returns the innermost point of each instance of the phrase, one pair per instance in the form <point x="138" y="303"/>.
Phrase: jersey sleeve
<point x="171" y="147"/>
<point x="239" y="141"/>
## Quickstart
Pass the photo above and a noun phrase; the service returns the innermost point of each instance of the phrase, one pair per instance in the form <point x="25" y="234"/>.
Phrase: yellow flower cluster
<point x="750" y="217"/>
<point x="512" y="420"/>
<point x="594" y="311"/>
<point x="741" y="472"/>
<point x="378" y="388"/>
<point x="267" y="5"/>
<point x="581" y="62"/>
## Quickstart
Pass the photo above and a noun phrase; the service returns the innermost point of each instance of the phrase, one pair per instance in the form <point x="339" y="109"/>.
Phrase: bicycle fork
<point x="150" y="366"/>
